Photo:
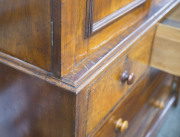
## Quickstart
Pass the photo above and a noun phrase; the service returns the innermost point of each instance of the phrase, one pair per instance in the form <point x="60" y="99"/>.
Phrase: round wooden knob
<point x="121" y="125"/>
<point x="159" y="104"/>
<point x="124" y="76"/>
<point x="127" y="77"/>
<point x="130" y="79"/>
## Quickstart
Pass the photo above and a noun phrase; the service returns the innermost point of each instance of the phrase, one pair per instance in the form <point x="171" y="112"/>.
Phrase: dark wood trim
<point x="89" y="17"/>
<point x="92" y="27"/>
<point x="56" y="36"/>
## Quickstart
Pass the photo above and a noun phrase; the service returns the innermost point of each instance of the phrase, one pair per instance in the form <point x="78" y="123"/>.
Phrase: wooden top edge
<point x="86" y="70"/>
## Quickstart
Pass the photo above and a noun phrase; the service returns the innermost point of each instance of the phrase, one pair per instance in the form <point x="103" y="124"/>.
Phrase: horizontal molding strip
<point x="30" y="69"/>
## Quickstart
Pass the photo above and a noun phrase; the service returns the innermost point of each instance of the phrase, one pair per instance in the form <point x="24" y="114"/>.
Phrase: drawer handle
<point x="121" y="125"/>
<point x="158" y="104"/>
<point x="127" y="77"/>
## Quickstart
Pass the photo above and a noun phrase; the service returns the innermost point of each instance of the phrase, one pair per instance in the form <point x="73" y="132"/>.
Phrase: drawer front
<point x="106" y="91"/>
<point x="166" y="48"/>
<point x="133" y="104"/>
<point x="101" y="13"/>
<point x="154" y="112"/>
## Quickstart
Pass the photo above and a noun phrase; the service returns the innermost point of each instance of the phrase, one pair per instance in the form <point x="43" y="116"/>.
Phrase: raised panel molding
<point x="92" y="26"/>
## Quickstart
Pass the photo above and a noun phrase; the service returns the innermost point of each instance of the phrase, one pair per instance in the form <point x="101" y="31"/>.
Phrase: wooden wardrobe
<point x="83" y="68"/>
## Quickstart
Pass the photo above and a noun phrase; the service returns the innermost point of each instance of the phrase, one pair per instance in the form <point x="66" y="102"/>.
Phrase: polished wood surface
<point x="31" y="107"/>
<point x="25" y="31"/>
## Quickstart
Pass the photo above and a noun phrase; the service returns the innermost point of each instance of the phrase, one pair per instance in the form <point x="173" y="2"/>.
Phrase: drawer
<point x="106" y="91"/>
<point x="149" y="120"/>
<point x="154" y="94"/>
<point x="166" y="48"/>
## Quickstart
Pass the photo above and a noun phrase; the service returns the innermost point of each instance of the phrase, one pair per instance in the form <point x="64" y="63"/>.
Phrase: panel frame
<point x="92" y="27"/>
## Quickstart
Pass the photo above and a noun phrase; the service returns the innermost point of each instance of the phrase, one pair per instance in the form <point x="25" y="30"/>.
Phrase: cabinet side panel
<point x="25" y="28"/>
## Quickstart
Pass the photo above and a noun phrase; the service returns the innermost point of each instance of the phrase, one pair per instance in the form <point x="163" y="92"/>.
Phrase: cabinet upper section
<point x="73" y="39"/>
